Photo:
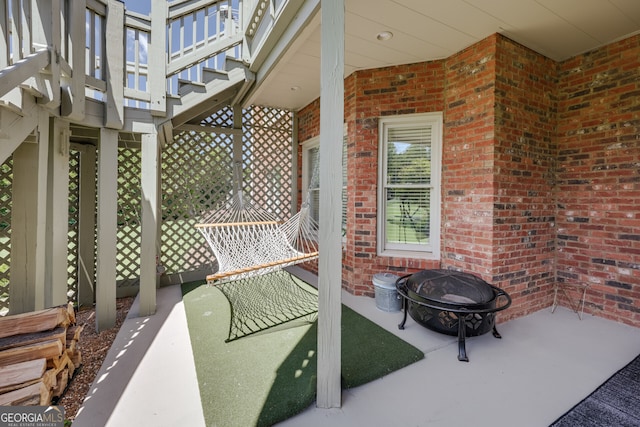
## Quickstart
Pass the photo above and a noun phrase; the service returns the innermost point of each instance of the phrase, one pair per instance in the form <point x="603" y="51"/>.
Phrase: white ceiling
<point x="435" y="29"/>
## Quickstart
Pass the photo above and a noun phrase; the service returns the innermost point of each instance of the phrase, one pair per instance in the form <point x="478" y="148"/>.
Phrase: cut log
<point x="19" y="373"/>
<point x="73" y="332"/>
<point x="21" y="340"/>
<point x="35" y="321"/>
<point x="49" y="378"/>
<point x="72" y="314"/>
<point x="44" y="350"/>
<point x="59" y="363"/>
<point x="76" y="357"/>
<point x="34" y="394"/>
<point x="62" y="379"/>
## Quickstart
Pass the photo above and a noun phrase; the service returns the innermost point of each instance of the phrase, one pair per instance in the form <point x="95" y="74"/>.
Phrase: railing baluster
<point x="91" y="63"/>
<point x="181" y="52"/>
<point x="4" y="34"/>
<point x="206" y="25"/>
<point x="27" y="30"/>
<point x="16" y="23"/>
<point x="194" y="32"/>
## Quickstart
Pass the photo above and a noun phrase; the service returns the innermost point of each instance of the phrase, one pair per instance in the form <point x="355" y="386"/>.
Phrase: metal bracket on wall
<point x="575" y="301"/>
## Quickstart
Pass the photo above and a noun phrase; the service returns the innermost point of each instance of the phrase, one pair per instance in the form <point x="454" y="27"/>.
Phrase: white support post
<point x="330" y="260"/>
<point x="28" y="222"/>
<point x="55" y="286"/>
<point x="107" y="229"/>
<point x="86" y="227"/>
<point x="73" y="105"/>
<point x="41" y="232"/>
<point x="150" y="218"/>
<point x="157" y="59"/>
<point x="114" y="64"/>
<point x="23" y="229"/>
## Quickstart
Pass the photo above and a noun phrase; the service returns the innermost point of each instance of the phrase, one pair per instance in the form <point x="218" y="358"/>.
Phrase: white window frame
<point x="307" y="146"/>
<point x="429" y="250"/>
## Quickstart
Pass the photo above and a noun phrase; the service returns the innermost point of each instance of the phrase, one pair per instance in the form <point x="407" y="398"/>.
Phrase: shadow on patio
<point x="544" y="364"/>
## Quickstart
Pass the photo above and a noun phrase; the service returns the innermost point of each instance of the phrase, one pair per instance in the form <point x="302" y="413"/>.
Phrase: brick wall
<point x="524" y="153"/>
<point x="540" y="171"/>
<point x="598" y="188"/>
<point x="406" y="89"/>
<point x="467" y="160"/>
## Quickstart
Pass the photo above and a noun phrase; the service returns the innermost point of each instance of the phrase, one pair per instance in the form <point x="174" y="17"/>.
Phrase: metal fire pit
<point x="440" y="299"/>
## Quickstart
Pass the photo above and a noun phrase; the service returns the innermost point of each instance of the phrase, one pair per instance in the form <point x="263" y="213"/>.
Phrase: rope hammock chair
<point x="246" y="240"/>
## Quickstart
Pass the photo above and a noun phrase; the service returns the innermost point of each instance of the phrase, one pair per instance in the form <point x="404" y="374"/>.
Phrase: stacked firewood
<point x="38" y="355"/>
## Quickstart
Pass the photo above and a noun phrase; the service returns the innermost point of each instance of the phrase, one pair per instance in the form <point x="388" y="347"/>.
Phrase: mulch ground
<point x="94" y="347"/>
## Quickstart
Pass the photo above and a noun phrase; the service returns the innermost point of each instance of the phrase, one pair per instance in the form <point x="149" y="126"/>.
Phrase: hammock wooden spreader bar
<point x="236" y="224"/>
<point x="264" y="268"/>
<point x="248" y="248"/>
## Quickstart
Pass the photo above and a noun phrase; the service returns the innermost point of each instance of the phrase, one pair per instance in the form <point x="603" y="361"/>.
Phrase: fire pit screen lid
<point x="450" y="287"/>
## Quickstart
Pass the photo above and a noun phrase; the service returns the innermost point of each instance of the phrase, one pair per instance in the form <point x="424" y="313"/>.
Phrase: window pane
<point x="314" y="182"/>
<point x="314" y="203"/>
<point x="314" y="168"/>
<point x="409" y="155"/>
<point x="407" y="216"/>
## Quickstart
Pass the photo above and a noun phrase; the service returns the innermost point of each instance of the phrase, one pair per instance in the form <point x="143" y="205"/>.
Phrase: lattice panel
<point x="6" y="178"/>
<point x="197" y="176"/>
<point x="222" y="118"/>
<point x="74" y="199"/>
<point x="129" y="229"/>
<point x="267" y="154"/>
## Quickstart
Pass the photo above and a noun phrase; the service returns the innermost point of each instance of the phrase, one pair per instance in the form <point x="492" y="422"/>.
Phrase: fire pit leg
<point x="404" y="319"/>
<point x="462" y="350"/>
<point x="496" y="333"/>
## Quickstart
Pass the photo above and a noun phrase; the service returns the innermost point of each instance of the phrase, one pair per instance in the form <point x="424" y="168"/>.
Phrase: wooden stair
<point x="218" y="89"/>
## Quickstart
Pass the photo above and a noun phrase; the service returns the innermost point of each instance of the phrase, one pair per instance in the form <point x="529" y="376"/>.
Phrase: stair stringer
<point x="209" y="97"/>
<point x="17" y="123"/>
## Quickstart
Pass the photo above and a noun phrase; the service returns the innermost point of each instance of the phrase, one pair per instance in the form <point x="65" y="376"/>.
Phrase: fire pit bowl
<point x="439" y="299"/>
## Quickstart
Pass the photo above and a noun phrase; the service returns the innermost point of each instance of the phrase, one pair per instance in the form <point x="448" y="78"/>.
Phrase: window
<point x="409" y="185"/>
<point x="311" y="180"/>
<point x="310" y="175"/>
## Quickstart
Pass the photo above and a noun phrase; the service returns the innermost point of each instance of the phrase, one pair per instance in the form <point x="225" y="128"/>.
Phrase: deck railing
<point x="137" y="38"/>
<point x="192" y="35"/>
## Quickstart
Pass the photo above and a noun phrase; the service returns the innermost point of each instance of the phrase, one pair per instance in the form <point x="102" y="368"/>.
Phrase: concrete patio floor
<point x="544" y="364"/>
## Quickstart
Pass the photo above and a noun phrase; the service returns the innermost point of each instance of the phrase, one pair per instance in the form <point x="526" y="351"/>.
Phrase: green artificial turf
<point x="270" y="376"/>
